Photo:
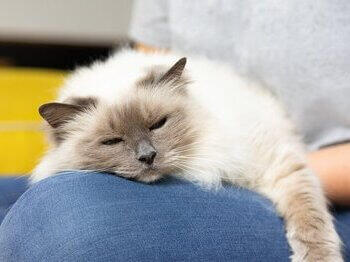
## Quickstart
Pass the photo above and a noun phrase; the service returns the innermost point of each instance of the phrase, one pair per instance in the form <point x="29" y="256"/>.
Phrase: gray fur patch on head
<point x="162" y="120"/>
<point x="133" y="122"/>
<point x="85" y="102"/>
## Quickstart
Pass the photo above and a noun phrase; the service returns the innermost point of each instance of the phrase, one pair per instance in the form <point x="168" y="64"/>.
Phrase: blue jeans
<point x="11" y="188"/>
<point x="101" y="217"/>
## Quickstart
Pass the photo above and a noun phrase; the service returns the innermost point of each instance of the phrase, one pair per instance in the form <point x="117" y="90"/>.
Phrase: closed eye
<point x="158" y="124"/>
<point x="112" y="141"/>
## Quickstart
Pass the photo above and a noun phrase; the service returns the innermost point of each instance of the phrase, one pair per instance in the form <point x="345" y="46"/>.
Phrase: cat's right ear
<point x="175" y="71"/>
<point x="57" y="114"/>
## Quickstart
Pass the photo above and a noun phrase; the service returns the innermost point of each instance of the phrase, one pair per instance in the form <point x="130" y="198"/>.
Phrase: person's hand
<point x="332" y="165"/>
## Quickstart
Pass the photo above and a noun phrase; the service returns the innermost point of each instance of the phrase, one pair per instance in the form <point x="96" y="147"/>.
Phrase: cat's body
<point x="131" y="116"/>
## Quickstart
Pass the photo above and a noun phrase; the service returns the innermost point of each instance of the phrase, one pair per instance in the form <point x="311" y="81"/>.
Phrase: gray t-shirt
<point x="299" y="49"/>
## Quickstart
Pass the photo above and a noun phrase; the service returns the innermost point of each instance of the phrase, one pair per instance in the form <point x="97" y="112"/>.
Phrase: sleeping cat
<point x="144" y="116"/>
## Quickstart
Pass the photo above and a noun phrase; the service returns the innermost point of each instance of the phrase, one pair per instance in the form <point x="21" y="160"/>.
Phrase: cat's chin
<point x="149" y="178"/>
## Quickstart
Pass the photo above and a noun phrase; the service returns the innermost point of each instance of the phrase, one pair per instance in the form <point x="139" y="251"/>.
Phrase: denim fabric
<point x="11" y="188"/>
<point x="100" y="217"/>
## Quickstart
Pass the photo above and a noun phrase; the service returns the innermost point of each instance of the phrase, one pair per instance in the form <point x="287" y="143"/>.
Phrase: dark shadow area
<point x="54" y="56"/>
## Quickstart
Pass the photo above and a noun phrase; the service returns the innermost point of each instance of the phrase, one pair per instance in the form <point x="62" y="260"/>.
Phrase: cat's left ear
<point x="175" y="72"/>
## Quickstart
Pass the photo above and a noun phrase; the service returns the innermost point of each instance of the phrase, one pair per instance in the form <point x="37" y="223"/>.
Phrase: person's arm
<point x="148" y="49"/>
<point x="332" y="165"/>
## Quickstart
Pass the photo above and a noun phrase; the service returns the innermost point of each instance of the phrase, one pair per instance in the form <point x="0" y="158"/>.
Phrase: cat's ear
<point x="173" y="78"/>
<point x="57" y="114"/>
<point x="175" y="71"/>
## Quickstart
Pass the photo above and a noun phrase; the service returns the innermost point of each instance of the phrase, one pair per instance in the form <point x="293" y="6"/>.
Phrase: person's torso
<point x="299" y="49"/>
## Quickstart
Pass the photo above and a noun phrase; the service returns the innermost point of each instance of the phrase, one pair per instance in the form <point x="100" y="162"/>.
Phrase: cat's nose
<point x="148" y="158"/>
<point x="146" y="153"/>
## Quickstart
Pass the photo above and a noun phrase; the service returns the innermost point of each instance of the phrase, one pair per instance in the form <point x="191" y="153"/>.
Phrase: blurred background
<point x="40" y="42"/>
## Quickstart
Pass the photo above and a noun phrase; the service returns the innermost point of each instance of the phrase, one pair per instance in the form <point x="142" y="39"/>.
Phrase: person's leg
<point x="11" y="188"/>
<point x="100" y="217"/>
<point x="342" y="223"/>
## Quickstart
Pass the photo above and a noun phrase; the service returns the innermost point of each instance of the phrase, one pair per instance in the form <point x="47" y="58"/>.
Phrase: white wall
<point x="65" y="21"/>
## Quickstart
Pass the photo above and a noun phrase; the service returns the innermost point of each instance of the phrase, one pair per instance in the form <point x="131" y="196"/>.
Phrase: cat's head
<point x="152" y="132"/>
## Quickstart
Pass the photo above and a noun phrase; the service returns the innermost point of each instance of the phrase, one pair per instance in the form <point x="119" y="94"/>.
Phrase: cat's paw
<point x="317" y="254"/>
<point x="316" y="258"/>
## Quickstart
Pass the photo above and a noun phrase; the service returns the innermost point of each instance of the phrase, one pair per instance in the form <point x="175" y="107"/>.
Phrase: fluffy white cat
<point x="143" y="116"/>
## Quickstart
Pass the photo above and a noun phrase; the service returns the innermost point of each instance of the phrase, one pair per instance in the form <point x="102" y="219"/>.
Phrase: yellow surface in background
<point x="22" y="91"/>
